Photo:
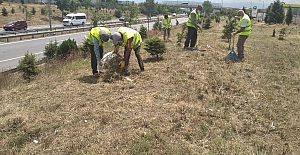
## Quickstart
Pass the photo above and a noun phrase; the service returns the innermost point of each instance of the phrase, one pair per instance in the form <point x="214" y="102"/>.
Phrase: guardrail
<point x="7" y="36"/>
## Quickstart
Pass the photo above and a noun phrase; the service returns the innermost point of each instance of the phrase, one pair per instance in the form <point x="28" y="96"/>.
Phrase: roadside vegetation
<point x="185" y="102"/>
<point x="189" y="102"/>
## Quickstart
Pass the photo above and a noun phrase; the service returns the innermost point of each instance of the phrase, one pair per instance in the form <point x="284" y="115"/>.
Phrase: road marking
<point x="40" y="38"/>
<point x="18" y="57"/>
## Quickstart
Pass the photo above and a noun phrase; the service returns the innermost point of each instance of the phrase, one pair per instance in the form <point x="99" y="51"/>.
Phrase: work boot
<point x="186" y="48"/>
<point x="195" y="48"/>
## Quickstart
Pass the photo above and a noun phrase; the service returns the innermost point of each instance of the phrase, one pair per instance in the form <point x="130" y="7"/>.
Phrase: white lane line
<point x="41" y="38"/>
<point x="18" y="57"/>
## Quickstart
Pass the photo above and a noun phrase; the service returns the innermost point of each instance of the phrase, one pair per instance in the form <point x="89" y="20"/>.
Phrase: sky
<point x="239" y="3"/>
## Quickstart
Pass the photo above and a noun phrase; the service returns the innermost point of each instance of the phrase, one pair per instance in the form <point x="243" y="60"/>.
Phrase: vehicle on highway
<point x="74" y="19"/>
<point x="174" y="14"/>
<point x="122" y="18"/>
<point x="15" y="25"/>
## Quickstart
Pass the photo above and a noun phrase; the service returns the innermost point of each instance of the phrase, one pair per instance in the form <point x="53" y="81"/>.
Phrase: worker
<point x="95" y="39"/>
<point x="192" y="25"/>
<point x="130" y="39"/>
<point x="244" y="31"/>
<point x="166" y="25"/>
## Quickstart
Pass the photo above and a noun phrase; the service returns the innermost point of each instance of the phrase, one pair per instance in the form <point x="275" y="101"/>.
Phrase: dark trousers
<point x="94" y="59"/>
<point x="166" y="32"/>
<point x="191" y="37"/>
<point x="240" y="46"/>
<point x="138" y="56"/>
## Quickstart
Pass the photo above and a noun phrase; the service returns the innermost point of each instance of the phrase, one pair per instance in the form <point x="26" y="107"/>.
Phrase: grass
<point x="189" y="102"/>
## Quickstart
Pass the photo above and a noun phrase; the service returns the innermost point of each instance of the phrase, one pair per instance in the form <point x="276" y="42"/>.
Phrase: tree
<point x="73" y="5"/>
<point x="33" y="11"/>
<point x="62" y="5"/>
<point x="289" y="16"/>
<point x="208" y="8"/>
<point x="143" y="32"/>
<point x="118" y="13"/>
<point x="228" y="29"/>
<point x="12" y="10"/>
<point x="4" y="11"/>
<point x="29" y="66"/>
<point x="155" y="46"/>
<point x="275" y="13"/>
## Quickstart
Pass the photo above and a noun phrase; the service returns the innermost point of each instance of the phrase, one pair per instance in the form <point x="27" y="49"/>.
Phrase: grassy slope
<point x="187" y="103"/>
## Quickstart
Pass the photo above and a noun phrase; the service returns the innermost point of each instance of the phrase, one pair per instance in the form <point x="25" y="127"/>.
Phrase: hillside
<point x="189" y="102"/>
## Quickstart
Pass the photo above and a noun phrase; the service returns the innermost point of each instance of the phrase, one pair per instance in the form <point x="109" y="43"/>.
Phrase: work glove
<point x="202" y="15"/>
<point x="122" y="64"/>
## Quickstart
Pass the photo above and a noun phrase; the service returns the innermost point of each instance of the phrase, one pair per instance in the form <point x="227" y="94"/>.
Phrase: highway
<point x="11" y="53"/>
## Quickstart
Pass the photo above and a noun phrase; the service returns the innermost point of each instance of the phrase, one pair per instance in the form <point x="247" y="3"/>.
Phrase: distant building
<point x="125" y="2"/>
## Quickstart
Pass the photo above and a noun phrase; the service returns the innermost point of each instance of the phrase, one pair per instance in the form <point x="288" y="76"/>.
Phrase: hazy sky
<point x="238" y="3"/>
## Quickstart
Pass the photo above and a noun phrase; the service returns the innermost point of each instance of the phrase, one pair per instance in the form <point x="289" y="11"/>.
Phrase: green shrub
<point x="155" y="46"/>
<point x="4" y="11"/>
<point x="84" y="48"/>
<point x="43" y="11"/>
<point x="51" y="49"/>
<point x="66" y="47"/>
<point x="181" y="35"/>
<point x="12" y="10"/>
<point x="207" y="23"/>
<point x="118" y="13"/>
<point x="33" y="11"/>
<point x="157" y="25"/>
<point x="29" y="66"/>
<point x="143" y="32"/>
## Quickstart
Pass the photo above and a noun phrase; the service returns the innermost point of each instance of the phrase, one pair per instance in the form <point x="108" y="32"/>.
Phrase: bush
<point x="51" y="49"/>
<point x="85" y="48"/>
<point x="157" y="25"/>
<point x="182" y="35"/>
<point x="12" y="10"/>
<point x="118" y="13"/>
<point x="29" y="66"/>
<point x="43" y="11"/>
<point x="4" y="11"/>
<point x="155" y="46"/>
<point x="33" y="11"/>
<point x="143" y="32"/>
<point x="207" y="23"/>
<point x="66" y="47"/>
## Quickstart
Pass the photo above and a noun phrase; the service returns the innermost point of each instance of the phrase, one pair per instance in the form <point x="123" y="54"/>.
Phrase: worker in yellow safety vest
<point x="166" y="25"/>
<point x="244" y="31"/>
<point x="192" y="25"/>
<point x="96" y="37"/>
<point x="130" y="39"/>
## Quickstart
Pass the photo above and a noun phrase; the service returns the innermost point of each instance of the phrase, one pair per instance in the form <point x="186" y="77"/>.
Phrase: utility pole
<point x="49" y="12"/>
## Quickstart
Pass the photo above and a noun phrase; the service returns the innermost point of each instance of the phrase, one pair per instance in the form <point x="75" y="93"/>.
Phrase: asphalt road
<point x="11" y="53"/>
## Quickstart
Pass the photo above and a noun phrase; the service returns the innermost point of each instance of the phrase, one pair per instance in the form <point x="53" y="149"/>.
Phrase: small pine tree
<point x="143" y="32"/>
<point x="217" y="18"/>
<point x="51" y="49"/>
<point x="181" y="35"/>
<point x="289" y="16"/>
<point x="12" y="10"/>
<point x="4" y="11"/>
<point x="29" y="66"/>
<point x="157" y="25"/>
<point x="207" y="23"/>
<point x="282" y="33"/>
<point x="33" y="11"/>
<point x="273" y="35"/>
<point x="228" y="29"/>
<point x="155" y="47"/>
<point x="66" y="47"/>
<point x="43" y="11"/>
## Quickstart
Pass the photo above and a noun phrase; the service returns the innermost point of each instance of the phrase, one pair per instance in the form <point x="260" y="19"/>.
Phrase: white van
<point x="74" y="19"/>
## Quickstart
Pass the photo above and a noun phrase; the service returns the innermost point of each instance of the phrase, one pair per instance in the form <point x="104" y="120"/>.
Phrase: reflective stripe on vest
<point x="247" y="30"/>
<point x="95" y="32"/>
<point x="130" y="33"/>
<point x="167" y="22"/>
<point x="189" y="22"/>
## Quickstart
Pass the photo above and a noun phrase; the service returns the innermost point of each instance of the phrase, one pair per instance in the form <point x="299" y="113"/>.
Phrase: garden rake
<point x="232" y="55"/>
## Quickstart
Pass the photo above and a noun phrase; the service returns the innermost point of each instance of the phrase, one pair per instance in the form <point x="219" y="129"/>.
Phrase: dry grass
<point x="38" y="19"/>
<point x="189" y="102"/>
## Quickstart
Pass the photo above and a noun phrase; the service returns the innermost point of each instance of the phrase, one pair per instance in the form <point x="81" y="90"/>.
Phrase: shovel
<point x="232" y="55"/>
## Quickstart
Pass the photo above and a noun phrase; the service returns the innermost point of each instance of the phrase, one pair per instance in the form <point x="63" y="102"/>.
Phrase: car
<point x="174" y="14"/>
<point x="122" y="18"/>
<point x="15" y="25"/>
